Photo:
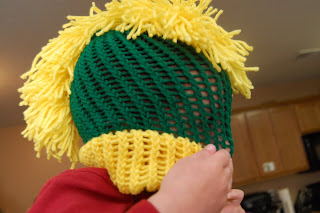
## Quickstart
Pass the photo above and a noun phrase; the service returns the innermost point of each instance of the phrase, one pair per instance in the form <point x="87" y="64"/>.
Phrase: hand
<point x="235" y="197"/>
<point x="199" y="183"/>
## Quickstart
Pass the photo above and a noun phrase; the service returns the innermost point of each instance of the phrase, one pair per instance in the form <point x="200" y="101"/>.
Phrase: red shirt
<point x="87" y="190"/>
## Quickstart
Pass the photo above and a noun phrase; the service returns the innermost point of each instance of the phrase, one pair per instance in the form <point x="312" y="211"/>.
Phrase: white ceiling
<point x="276" y="29"/>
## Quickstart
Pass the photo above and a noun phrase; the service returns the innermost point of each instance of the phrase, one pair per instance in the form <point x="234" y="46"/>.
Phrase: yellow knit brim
<point x="136" y="160"/>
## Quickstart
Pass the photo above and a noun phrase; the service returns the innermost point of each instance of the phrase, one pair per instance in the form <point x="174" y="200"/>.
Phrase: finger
<point x="230" y="167"/>
<point x="205" y="153"/>
<point x="232" y="209"/>
<point x="235" y="197"/>
<point x="223" y="156"/>
<point x="211" y="148"/>
<point x="230" y="182"/>
<point x="236" y="194"/>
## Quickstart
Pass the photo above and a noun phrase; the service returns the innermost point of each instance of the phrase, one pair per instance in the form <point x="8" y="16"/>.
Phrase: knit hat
<point x="143" y="84"/>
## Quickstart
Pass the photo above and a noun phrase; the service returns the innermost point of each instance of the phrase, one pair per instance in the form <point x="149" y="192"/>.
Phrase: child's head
<point x="144" y="92"/>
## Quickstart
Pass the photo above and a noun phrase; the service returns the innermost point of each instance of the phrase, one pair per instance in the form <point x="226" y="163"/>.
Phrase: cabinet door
<point x="285" y="127"/>
<point x="264" y="143"/>
<point x="244" y="163"/>
<point x="308" y="114"/>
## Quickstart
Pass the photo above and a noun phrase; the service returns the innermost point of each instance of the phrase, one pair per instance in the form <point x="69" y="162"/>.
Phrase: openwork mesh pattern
<point x="136" y="160"/>
<point x="150" y="84"/>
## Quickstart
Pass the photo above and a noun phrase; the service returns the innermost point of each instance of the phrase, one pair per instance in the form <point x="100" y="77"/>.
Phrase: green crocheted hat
<point x="154" y="86"/>
<point x="143" y="84"/>
<point x="150" y="83"/>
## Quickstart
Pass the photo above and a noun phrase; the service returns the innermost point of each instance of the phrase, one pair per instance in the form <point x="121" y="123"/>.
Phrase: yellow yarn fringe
<point x="47" y="89"/>
<point x="136" y="160"/>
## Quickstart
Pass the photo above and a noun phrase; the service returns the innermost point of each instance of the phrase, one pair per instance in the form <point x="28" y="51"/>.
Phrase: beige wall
<point x="22" y="174"/>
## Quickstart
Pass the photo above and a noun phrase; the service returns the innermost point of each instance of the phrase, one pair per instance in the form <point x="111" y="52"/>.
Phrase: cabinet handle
<point x="268" y="166"/>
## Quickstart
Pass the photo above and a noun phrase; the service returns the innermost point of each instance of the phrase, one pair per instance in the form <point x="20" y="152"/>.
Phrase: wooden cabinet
<point x="308" y="114"/>
<point x="264" y="143"/>
<point x="267" y="144"/>
<point x="288" y="136"/>
<point x="244" y="163"/>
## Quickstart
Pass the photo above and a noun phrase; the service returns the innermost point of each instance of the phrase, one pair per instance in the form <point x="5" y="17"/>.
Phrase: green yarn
<point x="150" y="83"/>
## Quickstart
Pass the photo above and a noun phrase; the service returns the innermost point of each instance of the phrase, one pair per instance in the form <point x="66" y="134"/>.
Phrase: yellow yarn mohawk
<point x="47" y="89"/>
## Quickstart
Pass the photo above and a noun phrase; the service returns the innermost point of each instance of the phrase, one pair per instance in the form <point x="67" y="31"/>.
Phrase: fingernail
<point x="230" y="195"/>
<point x="210" y="147"/>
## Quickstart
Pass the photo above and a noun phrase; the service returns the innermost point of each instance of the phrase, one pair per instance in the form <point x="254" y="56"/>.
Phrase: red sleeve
<point x="143" y="206"/>
<point x="85" y="190"/>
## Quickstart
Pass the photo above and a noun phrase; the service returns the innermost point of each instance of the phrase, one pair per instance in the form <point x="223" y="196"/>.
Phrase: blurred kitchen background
<point x="276" y="133"/>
